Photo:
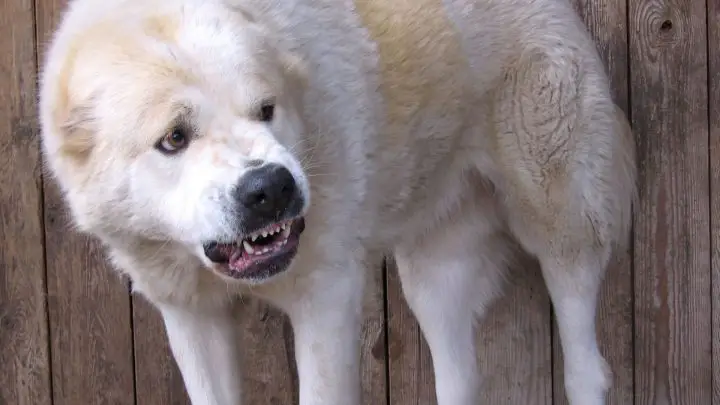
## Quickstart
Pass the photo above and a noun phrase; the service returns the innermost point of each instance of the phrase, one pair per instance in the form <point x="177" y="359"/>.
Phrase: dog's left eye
<point x="173" y="142"/>
<point x="267" y="111"/>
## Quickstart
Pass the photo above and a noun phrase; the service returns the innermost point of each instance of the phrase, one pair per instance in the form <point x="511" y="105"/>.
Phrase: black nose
<point x="266" y="191"/>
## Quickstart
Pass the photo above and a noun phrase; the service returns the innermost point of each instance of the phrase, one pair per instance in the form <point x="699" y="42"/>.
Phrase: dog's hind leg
<point x="449" y="279"/>
<point x="573" y="266"/>
<point x="567" y="160"/>
<point x="573" y="281"/>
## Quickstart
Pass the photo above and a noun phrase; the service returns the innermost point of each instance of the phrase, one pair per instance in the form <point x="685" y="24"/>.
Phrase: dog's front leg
<point x="203" y="343"/>
<point x="326" y="313"/>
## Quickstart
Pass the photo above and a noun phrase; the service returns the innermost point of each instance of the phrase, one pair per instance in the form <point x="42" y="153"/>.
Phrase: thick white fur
<point x="498" y="130"/>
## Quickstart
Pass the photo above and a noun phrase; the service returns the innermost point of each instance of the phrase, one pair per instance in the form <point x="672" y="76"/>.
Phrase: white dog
<point x="271" y="147"/>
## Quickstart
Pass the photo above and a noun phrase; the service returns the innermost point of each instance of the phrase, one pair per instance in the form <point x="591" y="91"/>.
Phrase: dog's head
<point x="177" y="123"/>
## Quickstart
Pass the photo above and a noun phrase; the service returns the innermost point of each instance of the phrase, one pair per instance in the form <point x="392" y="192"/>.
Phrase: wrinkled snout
<point x="267" y="194"/>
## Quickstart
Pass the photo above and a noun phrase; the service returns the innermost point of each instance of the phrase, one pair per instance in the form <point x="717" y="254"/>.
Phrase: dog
<point x="220" y="148"/>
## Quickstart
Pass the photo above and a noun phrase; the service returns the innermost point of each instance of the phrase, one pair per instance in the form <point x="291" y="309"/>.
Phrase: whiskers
<point x="312" y="165"/>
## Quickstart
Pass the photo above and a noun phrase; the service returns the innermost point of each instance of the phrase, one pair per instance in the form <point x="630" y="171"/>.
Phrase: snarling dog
<point x="272" y="147"/>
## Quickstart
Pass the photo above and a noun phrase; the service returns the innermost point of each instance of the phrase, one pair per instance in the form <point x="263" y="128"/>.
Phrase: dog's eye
<point x="267" y="111"/>
<point x="174" y="141"/>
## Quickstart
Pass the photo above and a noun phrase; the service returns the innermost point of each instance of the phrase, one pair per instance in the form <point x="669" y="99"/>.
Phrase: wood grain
<point x="157" y="378"/>
<point x="669" y="106"/>
<point x="513" y="342"/>
<point x="24" y="357"/>
<point x="607" y="22"/>
<point x="374" y="337"/>
<point x="269" y="371"/>
<point x="89" y="317"/>
<point x="714" y="125"/>
<point x="411" y="379"/>
<point x="89" y="304"/>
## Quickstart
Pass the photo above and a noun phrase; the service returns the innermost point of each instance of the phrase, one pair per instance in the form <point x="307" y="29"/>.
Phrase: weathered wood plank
<point x="89" y="317"/>
<point x="374" y="336"/>
<point x="669" y="106"/>
<point x="269" y="371"/>
<point x="714" y="106"/>
<point x="513" y="342"/>
<point x="607" y="23"/>
<point x="24" y="357"/>
<point x="89" y="304"/>
<point x="409" y="364"/>
<point x="157" y="378"/>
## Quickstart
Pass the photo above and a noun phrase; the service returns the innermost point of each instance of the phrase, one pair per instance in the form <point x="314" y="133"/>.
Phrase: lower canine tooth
<point x="248" y="248"/>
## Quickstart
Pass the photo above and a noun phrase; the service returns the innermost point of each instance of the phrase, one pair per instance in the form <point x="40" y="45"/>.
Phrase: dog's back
<point x="428" y="90"/>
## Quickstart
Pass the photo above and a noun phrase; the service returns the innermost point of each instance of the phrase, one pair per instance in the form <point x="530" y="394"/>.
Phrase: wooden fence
<point x="71" y="334"/>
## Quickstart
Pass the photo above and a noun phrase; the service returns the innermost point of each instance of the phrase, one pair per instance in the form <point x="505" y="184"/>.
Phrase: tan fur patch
<point x="162" y="27"/>
<point x="420" y="55"/>
<point x="78" y="137"/>
<point x="72" y="120"/>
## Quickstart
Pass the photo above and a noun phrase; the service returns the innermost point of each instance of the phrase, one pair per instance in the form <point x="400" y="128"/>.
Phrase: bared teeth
<point x="283" y="227"/>
<point x="249" y="249"/>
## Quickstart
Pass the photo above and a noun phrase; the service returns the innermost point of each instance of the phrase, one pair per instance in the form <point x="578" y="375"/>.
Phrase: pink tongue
<point x="237" y="261"/>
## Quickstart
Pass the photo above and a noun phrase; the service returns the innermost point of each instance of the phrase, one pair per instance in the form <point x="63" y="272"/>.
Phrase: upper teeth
<point x="271" y="231"/>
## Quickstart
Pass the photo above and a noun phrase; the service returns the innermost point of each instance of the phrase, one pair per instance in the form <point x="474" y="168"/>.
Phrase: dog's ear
<point x="75" y="126"/>
<point x="68" y="116"/>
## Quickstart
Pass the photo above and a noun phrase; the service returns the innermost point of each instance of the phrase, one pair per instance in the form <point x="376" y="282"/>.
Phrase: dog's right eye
<point x="173" y="142"/>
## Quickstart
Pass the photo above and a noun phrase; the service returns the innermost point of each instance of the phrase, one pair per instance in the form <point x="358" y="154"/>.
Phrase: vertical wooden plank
<point x="24" y="357"/>
<point x="513" y="342"/>
<point x="89" y="317"/>
<point x="89" y="304"/>
<point x="269" y="371"/>
<point x="714" y="110"/>
<point x="411" y="379"/>
<point x="374" y="337"/>
<point x="669" y="105"/>
<point x="607" y="23"/>
<point x="157" y="379"/>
